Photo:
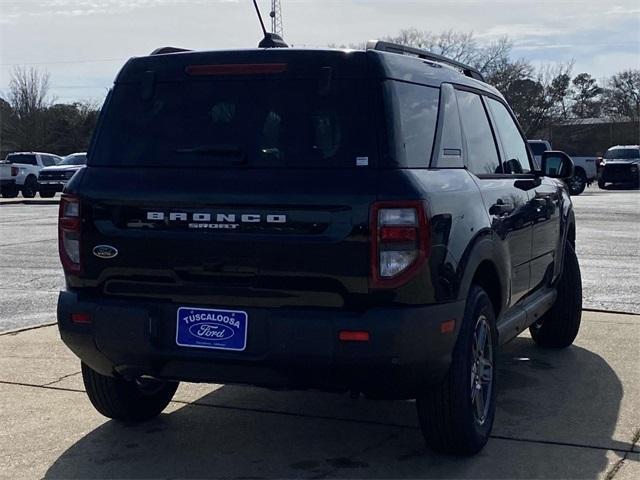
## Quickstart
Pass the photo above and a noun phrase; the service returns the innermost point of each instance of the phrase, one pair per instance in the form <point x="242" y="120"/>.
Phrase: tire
<point x="559" y="327"/>
<point x="10" y="191"/>
<point x="129" y="401"/>
<point x="448" y="415"/>
<point x="602" y="184"/>
<point x="577" y="183"/>
<point x="30" y="187"/>
<point x="47" y="194"/>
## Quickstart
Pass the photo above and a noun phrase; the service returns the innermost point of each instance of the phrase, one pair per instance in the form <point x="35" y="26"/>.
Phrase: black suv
<point x="365" y="221"/>
<point x="621" y="164"/>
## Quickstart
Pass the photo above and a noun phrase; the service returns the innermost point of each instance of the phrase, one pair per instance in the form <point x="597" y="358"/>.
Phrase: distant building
<point x="585" y="137"/>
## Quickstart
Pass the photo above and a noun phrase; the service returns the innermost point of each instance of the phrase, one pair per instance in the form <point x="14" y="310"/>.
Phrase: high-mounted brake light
<point x="236" y="69"/>
<point x="69" y="229"/>
<point x="354" y="336"/>
<point x="400" y="242"/>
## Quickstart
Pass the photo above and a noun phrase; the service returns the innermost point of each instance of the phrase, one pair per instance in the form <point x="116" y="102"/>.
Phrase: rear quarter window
<point x="411" y="122"/>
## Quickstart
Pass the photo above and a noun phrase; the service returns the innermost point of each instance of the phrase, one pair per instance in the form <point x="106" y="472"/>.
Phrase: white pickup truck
<point x="8" y="174"/>
<point x="29" y="165"/>
<point x="585" y="171"/>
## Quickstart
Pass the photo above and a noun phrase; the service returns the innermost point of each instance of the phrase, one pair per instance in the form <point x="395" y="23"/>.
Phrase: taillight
<point x="69" y="233"/>
<point x="15" y="171"/>
<point x="400" y="242"/>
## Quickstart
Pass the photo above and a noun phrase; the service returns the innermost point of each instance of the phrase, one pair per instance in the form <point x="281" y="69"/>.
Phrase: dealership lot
<point x="561" y="414"/>
<point x="608" y="237"/>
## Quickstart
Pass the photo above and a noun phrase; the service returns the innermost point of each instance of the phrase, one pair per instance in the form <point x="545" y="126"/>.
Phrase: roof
<point x="33" y="153"/>
<point x="303" y="63"/>
<point x="624" y="146"/>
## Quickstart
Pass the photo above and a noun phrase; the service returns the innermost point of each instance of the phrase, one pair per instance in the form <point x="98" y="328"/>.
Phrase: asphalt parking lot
<point x="608" y="240"/>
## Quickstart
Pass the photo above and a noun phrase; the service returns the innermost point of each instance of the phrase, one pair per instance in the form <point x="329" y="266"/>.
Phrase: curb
<point x="30" y="202"/>
<point x="616" y="312"/>
<point x="26" y="329"/>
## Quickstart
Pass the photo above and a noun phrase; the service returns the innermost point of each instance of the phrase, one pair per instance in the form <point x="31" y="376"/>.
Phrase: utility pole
<point x="276" y="18"/>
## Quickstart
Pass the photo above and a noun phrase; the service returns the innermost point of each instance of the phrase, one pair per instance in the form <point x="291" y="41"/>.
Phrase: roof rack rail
<point x="381" y="46"/>
<point x="163" y="50"/>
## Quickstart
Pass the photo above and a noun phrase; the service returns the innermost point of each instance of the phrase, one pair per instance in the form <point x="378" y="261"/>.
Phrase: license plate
<point x="49" y="182"/>
<point x="212" y="328"/>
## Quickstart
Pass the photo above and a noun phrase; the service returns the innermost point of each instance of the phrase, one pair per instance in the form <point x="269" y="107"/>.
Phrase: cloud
<point x="75" y="8"/>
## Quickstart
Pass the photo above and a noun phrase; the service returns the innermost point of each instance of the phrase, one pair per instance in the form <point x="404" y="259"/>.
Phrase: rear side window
<point x="412" y="122"/>
<point x="48" y="161"/>
<point x="482" y="155"/>
<point x="538" y="148"/>
<point x="24" y="159"/>
<point x="516" y="159"/>
<point x="250" y="122"/>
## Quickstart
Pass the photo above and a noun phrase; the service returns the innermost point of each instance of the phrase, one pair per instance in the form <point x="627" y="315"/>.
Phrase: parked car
<point x="367" y="220"/>
<point x="29" y="165"/>
<point x="621" y="164"/>
<point x="53" y="179"/>
<point x="8" y="174"/>
<point x="585" y="168"/>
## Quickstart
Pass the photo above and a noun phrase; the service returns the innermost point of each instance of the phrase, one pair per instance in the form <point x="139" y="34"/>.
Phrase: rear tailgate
<point x="268" y="237"/>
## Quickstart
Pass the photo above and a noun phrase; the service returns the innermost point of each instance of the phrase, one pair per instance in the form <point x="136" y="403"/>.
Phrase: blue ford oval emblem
<point x="105" y="251"/>
<point x="212" y="331"/>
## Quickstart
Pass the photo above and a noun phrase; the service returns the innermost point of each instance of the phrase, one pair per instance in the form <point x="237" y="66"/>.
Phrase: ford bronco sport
<point x="366" y="221"/>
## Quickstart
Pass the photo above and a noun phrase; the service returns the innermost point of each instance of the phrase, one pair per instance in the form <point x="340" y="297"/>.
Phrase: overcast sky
<point x="82" y="43"/>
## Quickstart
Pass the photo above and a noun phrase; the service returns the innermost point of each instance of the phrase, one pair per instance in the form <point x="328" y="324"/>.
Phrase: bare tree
<point x="28" y="96"/>
<point x="28" y="90"/>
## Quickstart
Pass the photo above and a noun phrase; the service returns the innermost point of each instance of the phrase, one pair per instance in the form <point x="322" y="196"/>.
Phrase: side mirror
<point x="556" y="164"/>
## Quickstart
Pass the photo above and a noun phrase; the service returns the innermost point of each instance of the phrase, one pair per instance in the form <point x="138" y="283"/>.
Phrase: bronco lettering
<point x="220" y="218"/>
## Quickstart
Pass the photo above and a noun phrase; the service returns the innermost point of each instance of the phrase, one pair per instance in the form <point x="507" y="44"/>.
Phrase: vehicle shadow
<point x="547" y="399"/>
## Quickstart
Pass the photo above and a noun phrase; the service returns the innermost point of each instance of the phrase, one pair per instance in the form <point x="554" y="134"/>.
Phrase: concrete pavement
<point x="561" y="414"/>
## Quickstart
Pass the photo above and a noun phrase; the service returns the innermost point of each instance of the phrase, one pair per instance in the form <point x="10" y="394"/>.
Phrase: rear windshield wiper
<point x="224" y="151"/>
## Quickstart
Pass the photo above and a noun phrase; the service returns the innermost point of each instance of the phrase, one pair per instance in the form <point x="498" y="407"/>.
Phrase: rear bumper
<point x="286" y="348"/>
<point x="7" y="182"/>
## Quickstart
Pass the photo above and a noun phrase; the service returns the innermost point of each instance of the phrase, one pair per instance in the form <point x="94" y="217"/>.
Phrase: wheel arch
<point x="484" y="269"/>
<point x="579" y="170"/>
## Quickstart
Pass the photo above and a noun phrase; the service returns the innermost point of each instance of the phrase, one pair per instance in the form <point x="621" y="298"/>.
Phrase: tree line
<point x="539" y="96"/>
<point x="31" y="120"/>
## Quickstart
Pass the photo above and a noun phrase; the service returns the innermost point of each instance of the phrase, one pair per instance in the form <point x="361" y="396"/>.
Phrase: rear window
<point x="224" y="122"/>
<point x="22" y="158"/>
<point x="538" y="148"/>
<point x="622" y="153"/>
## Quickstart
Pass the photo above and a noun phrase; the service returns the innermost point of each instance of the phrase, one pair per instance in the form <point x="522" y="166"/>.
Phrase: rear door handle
<point x="500" y="208"/>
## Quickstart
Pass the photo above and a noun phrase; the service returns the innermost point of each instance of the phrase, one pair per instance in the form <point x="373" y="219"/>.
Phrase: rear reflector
<point x="81" y="318"/>
<point x="236" y="69"/>
<point x="354" y="336"/>
<point x="448" y="327"/>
